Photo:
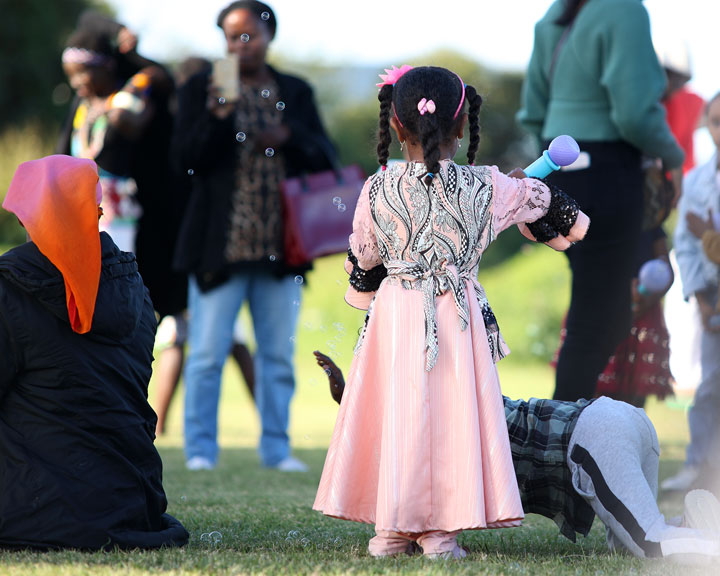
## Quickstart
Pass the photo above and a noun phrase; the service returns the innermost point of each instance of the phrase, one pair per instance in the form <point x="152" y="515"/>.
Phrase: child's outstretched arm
<point x="563" y="224"/>
<point x="554" y="217"/>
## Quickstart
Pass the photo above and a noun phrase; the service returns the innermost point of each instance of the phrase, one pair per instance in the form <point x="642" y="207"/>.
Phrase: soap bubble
<point x="191" y="172"/>
<point x="327" y="371"/>
<point x="269" y="152"/>
<point x="221" y="100"/>
<point x="241" y="136"/>
<point x="342" y="207"/>
<point x="272" y="257"/>
<point x="299" y="279"/>
<point x="183" y="498"/>
<point x="292" y="536"/>
<point x="245" y="37"/>
<point x="337" y="201"/>
<point x="215" y="537"/>
<point x="292" y="338"/>
<point x="296" y="303"/>
<point x="280" y="106"/>
<point x="265" y="15"/>
<point x="265" y="93"/>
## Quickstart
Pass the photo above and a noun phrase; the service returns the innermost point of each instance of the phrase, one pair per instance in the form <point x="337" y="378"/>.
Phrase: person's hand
<point x="334" y="374"/>
<point x="517" y="173"/>
<point x="697" y="225"/>
<point x="677" y="178"/>
<point x="707" y="311"/>
<point x="217" y="106"/>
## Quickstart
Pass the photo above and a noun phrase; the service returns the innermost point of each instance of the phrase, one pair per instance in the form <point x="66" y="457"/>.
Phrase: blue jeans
<point x="704" y="414"/>
<point x="274" y="306"/>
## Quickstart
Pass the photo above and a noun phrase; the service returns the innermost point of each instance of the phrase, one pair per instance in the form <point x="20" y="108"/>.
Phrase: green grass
<point x="265" y="517"/>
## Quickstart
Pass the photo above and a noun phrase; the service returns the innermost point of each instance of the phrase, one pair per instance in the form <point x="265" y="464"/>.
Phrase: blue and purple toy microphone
<point x="562" y="151"/>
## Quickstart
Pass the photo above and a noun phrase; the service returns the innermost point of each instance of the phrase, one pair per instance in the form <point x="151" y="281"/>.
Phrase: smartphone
<point x="226" y="77"/>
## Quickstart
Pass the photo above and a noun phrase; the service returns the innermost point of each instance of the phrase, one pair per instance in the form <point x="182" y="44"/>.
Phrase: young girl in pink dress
<point x="420" y="447"/>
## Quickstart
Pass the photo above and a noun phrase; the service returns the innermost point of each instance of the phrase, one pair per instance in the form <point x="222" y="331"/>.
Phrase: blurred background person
<point x="121" y="119"/>
<point x="700" y="277"/>
<point x="237" y="153"/>
<point x="684" y="115"/>
<point x="596" y="77"/>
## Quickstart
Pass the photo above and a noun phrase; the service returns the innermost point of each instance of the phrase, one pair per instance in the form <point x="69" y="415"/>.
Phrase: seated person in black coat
<point x="78" y="467"/>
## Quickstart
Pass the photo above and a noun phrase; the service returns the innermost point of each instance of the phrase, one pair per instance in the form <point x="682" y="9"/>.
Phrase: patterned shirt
<point x="540" y="433"/>
<point x="255" y="232"/>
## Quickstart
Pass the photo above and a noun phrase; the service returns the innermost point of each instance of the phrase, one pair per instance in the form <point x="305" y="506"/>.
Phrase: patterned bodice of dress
<point x="431" y="236"/>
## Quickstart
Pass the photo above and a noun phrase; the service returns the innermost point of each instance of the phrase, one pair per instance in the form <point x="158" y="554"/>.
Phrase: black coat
<point x="206" y="145"/>
<point x="78" y="467"/>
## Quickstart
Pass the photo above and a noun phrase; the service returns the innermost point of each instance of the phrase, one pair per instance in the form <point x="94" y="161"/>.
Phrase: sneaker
<point x="702" y="512"/>
<point x="692" y="551"/>
<point x="290" y="464"/>
<point x="702" y="515"/>
<point x="199" y="463"/>
<point x="682" y="481"/>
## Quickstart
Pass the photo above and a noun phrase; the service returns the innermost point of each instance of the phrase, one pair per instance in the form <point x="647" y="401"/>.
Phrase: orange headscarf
<point x="56" y="199"/>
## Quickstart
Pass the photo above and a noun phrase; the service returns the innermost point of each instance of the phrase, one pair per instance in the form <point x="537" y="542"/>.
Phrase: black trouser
<point x="602" y="265"/>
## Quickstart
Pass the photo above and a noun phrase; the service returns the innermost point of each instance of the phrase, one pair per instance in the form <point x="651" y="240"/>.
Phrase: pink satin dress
<point x="421" y="441"/>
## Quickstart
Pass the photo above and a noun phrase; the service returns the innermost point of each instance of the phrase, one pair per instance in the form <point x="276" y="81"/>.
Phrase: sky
<point x="498" y="33"/>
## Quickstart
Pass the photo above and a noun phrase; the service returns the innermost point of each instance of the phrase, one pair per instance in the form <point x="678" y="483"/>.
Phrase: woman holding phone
<point x="238" y="148"/>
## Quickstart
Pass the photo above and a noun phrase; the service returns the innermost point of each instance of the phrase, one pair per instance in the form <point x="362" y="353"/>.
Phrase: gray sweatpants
<point x="613" y="456"/>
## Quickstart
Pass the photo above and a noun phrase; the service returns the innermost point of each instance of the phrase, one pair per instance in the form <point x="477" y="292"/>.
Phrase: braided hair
<point x="445" y="89"/>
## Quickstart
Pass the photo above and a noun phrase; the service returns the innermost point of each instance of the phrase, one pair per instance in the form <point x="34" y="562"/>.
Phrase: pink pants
<point x="387" y="543"/>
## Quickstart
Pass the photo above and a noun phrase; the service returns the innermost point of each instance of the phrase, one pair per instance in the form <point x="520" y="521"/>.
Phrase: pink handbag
<point x="318" y="212"/>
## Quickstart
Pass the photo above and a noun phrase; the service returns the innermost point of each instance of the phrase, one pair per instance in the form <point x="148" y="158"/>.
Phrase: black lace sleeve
<point x="559" y="219"/>
<point x="365" y="280"/>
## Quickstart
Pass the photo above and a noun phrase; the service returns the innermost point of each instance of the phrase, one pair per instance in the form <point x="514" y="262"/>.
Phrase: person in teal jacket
<point x="594" y="75"/>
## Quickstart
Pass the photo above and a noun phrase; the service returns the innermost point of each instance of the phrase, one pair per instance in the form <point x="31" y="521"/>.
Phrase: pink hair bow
<point x="393" y="75"/>
<point x="426" y="106"/>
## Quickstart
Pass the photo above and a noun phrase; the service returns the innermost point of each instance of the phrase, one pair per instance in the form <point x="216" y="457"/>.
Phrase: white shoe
<point x="692" y="551"/>
<point x="290" y="464"/>
<point x="682" y="481"/>
<point x="702" y="515"/>
<point x="457" y="553"/>
<point x="702" y="512"/>
<point x="199" y="463"/>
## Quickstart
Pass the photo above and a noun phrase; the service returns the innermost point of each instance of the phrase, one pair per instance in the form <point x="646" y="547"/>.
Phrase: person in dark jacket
<point x="77" y="462"/>
<point x="238" y="149"/>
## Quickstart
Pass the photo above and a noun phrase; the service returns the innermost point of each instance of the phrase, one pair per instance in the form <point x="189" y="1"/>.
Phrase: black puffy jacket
<point x="78" y="467"/>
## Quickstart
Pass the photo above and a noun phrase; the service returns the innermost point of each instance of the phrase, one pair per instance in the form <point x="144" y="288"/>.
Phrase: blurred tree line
<point x="34" y="98"/>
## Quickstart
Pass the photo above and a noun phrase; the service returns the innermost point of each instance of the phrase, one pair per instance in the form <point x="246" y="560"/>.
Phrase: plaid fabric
<point x="539" y="433"/>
